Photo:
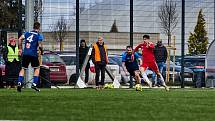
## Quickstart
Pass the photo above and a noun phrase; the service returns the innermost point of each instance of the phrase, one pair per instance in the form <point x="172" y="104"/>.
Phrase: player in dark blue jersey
<point x="130" y="64"/>
<point x="32" y="42"/>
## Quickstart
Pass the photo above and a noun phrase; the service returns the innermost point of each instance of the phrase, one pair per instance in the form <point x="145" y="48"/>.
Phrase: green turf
<point x="108" y="105"/>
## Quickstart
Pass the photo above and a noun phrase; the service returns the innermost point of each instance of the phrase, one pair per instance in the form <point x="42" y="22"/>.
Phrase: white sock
<point x="162" y="80"/>
<point x="34" y="84"/>
<point x="146" y="79"/>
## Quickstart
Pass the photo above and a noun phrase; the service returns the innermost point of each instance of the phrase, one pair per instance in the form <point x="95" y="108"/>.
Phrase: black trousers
<point x="12" y="72"/>
<point x="100" y="68"/>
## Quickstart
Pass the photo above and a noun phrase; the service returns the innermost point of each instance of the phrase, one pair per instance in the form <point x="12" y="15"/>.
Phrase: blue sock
<point x="20" y="79"/>
<point x="36" y="79"/>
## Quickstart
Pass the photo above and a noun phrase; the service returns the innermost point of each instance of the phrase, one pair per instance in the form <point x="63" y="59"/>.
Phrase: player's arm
<point x="40" y="47"/>
<point x="20" y="43"/>
<point x="151" y="45"/>
<point x="93" y="55"/>
<point x="165" y="54"/>
<point x="123" y="64"/>
<point x="136" y="48"/>
<point x="124" y="68"/>
<point x="138" y="57"/>
<point x="140" y="61"/>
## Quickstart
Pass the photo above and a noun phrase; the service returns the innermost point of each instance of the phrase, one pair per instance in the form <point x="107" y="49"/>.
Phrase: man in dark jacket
<point x="100" y="60"/>
<point x="83" y="50"/>
<point x="160" y="53"/>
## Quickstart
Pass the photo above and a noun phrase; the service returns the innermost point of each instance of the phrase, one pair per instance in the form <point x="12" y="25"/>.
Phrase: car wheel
<point x="73" y="79"/>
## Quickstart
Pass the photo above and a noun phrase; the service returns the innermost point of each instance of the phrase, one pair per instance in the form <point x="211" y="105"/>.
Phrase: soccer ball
<point x="108" y="86"/>
<point x="138" y="87"/>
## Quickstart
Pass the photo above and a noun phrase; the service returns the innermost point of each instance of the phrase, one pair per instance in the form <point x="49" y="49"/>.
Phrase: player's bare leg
<point x="162" y="81"/>
<point x="145" y="78"/>
<point x="137" y="77"/>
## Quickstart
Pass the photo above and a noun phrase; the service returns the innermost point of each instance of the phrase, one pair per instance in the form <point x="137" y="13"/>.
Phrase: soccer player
<point x="131" y="66"/>
<point x="148" y="58"/>
<point x="32" y="41"/>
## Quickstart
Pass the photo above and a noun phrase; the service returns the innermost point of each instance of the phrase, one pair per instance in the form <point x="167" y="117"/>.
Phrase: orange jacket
<point x="96" y="53"/>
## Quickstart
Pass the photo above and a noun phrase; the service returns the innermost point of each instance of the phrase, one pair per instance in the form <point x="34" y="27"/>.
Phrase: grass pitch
<point x="108" y="105"/>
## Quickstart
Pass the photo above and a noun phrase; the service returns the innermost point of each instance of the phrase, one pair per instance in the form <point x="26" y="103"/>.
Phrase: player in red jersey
<point x="148" y="60"/>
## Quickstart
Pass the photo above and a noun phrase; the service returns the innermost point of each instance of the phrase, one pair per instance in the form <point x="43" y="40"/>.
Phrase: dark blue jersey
<point x="31" y="43"/>
<point x="129" y="63"/>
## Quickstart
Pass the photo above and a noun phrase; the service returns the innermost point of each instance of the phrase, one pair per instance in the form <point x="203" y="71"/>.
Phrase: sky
<point x="55" y="9"/>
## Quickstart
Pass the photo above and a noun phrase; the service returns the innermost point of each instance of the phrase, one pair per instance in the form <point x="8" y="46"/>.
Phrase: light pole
<point x="77" y="38"/>
<point x="182" y="42"/>
<point x="131" y="34"/>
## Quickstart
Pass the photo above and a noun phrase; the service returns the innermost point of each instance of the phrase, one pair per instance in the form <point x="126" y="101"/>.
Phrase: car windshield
<point x="52" y="58"/>
<point x="69" y="60"/>
<point x="111" y="61"/>
<point x="116" y="60"/>
<point x="196" y="62"/>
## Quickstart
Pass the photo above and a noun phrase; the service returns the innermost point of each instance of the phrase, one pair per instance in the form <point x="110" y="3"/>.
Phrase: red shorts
<point x="152" y="65"/>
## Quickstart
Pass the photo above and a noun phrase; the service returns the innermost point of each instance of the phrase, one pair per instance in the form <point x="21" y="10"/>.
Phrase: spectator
<point x="83" y="50"/>
<point x="160" y="53"/>
<point x="12" y="63"/>
<point x="100" y="60"/>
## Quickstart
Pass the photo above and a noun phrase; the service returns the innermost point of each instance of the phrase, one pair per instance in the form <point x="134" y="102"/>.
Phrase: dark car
<point x="56" y="66"/>
<point x="197" y="65"/>
<point x="188" y="74"/>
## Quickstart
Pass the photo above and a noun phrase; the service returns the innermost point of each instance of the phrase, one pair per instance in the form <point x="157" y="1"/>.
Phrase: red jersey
<point x="147" y="51"/>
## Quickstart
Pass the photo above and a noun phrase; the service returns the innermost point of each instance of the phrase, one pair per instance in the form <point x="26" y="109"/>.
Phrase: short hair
<point x="36" y="25"/>
<point x="129" y="46"/>
<point x="146" y="36"/>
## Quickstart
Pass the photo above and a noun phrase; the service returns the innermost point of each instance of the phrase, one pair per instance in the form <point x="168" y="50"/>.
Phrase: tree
<point x="198" y="41"/>
<point x="60" y="30"/>
<point x="168" y="18"/>
<point x="114" y="27"/>
<point x="168" y="21"/>
<point x="38" y="9"/>
<point x="8" y="13"/>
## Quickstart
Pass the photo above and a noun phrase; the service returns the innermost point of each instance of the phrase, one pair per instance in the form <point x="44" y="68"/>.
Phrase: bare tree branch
<point x="59" y="31"/>
<point x="168" y="17"/>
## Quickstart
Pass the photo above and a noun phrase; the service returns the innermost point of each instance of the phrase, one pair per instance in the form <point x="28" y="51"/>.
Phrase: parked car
<point x="188" y="74"/>
<point x="70" y="60"/>
<point x="56" y="66"/>
<point x="197" y="65"/>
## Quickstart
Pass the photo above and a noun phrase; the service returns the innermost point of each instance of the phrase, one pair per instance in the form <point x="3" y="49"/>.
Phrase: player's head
<point x="36" y="26"/>
<point x="159" y="42"/>
<point x="12" y="41"/>
<point x="129" y="49"/>
<point x="100" y="40"/>
<point x="146" y="38"/>
<point x="83" y="43"/>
